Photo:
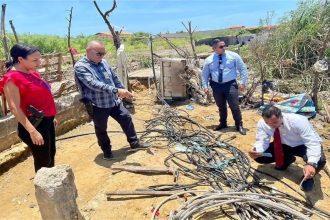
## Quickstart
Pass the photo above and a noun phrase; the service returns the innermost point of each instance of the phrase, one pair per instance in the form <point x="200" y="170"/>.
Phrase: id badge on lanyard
<point x="105" y="73"/>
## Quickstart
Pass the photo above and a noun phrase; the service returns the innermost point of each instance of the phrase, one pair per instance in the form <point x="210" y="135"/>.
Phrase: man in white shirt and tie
<point x="293" y="135"/>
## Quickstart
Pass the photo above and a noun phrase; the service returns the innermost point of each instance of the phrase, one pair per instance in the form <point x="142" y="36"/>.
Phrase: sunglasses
<point x="100" y="54"/>
<point x="222" y="46"/>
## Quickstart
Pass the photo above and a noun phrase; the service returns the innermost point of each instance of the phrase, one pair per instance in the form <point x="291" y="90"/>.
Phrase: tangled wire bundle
<point x="235" y="190"/>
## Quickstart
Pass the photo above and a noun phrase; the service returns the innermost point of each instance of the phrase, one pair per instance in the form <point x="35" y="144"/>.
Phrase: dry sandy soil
<point x="94" y="177"/>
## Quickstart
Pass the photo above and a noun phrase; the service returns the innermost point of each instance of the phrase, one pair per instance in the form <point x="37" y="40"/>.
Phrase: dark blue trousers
<point x="122" y="116"/>
<point x="223" y="93"/>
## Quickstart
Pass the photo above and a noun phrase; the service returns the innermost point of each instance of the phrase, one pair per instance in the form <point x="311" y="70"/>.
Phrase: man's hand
<point x="124" y="93"/>
<point x="207" y="92"/>
<point x="309" y="171"/>
<point x="242" y="88"/>
<point x="254" y="154"/>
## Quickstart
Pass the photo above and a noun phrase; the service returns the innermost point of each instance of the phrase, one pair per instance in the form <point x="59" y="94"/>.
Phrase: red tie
<point x="278" y="150"/>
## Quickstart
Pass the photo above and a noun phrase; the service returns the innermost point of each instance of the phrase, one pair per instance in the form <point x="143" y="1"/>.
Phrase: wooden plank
<point x="140" y="169"/>
<point x="146" y="192"/>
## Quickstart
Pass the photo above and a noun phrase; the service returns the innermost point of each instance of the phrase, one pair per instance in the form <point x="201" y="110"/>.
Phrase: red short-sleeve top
<point x="33" y="90"/>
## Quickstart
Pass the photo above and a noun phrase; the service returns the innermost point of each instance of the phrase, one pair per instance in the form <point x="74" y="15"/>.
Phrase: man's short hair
<point x="215" y="42"/>
<point x="271" y="110"/>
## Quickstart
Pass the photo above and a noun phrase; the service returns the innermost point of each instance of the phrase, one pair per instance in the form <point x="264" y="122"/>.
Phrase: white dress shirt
<point x="295" y="130"/>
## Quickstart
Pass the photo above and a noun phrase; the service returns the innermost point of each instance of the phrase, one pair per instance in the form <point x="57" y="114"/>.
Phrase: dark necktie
<point x="220" y="69"/>
<point x="278" y="149"/>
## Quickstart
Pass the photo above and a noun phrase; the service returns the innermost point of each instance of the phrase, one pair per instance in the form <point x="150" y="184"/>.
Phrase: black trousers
<point x="43" y="155"/>
<point x="223" y="93"/>
<point x="289" y="153"/>
<point x="122" y="116"/>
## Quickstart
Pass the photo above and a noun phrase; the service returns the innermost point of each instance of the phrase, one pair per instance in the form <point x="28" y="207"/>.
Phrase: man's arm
<point x="205" y="75"/>
<point x="262" y="141"/>
<point x="262" y="138"/>
<point x="115" y="77"/>
<point x="311" y="140"/>
<point x="241" y="67"/>
<point x="86" y="77"/>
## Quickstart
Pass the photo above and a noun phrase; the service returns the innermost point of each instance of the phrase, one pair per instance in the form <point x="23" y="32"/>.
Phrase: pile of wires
<point x="174" y="126"/>
<point x="235" y="190"/>
<point x="242" y="205"/>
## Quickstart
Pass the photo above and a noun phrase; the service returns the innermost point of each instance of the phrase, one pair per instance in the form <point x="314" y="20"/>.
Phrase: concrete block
<point x="56" y="193"/>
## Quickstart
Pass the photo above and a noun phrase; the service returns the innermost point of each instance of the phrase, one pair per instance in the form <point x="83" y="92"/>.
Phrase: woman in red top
<point x="24" y="87"/>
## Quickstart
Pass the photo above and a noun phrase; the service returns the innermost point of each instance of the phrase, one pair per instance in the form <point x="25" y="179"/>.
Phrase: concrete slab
<point x="143" y="74"/>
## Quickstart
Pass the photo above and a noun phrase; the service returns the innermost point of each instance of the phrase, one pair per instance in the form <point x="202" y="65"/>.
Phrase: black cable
<point x="85" y="134"/>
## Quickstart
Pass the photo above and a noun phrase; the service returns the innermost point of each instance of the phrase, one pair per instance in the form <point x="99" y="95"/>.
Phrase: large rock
<point x="56" y="193"/>
<point x="70" y="113"/>
<point x="8" y="135"/>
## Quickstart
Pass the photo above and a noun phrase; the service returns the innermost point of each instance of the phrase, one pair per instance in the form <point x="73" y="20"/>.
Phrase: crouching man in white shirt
<point x="293" y="135"/>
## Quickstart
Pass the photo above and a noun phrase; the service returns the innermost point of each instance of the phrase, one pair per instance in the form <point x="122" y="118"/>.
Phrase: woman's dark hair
<point x="271" y="110"/>
<point x="20" y="50"/>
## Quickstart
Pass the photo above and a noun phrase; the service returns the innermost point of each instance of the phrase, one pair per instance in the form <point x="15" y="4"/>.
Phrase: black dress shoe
<point x="220" y="127"/>
<point x="139" y="145"/>
<point x="241" y="130"/>
<point x="107" y="156"/>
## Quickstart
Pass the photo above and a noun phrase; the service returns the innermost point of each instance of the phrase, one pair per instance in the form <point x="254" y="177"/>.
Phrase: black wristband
<point x="115" y="90"/>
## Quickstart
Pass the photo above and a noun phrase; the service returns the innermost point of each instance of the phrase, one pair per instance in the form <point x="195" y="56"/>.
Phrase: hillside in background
<point x="135" y="42"/>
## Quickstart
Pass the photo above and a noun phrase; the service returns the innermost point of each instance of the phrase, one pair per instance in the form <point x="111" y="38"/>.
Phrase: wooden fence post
<point x="59" y="67"/>
<point x="4" y="109"/>
<point x="46" y="66"/>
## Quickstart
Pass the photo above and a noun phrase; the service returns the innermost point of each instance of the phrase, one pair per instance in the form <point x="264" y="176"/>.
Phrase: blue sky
<point x="155" y="16"/>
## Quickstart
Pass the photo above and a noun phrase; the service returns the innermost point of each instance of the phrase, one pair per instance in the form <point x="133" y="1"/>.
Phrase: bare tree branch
<point x="316" y="81"/>
<point x="111" y="10"/>
<point x="14" y="30"/>
<point x="3" y="32"/>
<point x="192" y="42"/>
<point x="115" y="34"/>
<point x="179" y="51"/>
<point x="69" y="36"/>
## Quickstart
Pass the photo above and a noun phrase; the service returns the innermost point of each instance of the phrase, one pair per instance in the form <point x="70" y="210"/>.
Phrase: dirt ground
<point x="93" y="175"/>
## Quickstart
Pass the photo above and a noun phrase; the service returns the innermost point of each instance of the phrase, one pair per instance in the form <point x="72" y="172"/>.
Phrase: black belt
<point x="223" y="83"/>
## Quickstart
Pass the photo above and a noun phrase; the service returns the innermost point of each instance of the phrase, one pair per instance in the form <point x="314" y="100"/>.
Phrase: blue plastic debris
<point x="190" y="107"/>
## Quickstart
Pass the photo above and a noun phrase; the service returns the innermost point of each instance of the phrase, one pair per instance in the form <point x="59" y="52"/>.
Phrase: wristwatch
<point x="115" y="90"/>
<point x="312" y="164"/>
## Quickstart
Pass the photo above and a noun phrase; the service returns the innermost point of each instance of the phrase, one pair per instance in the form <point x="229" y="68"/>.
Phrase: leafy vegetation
<point x="289" y="52"/>
<point x="136" y="42"/>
